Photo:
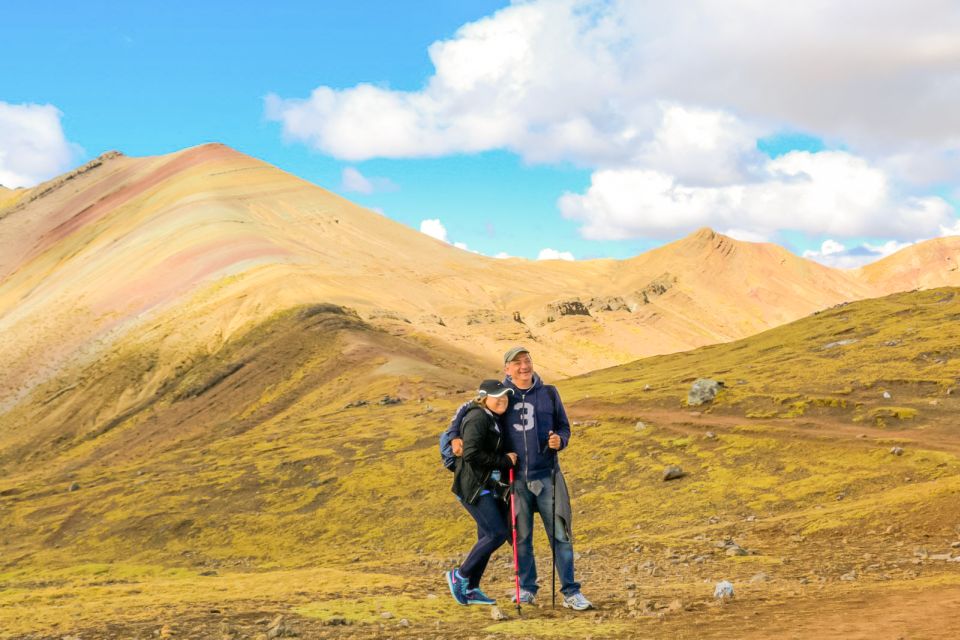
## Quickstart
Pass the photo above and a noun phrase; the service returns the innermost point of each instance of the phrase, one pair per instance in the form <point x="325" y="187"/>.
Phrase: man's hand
<point x="513" y="458"/>
<point x="554" y="441"/>
<point x="457" y="444"/>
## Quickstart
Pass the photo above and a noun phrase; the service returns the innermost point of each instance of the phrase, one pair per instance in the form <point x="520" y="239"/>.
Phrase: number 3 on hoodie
<point x="526" y="411"/>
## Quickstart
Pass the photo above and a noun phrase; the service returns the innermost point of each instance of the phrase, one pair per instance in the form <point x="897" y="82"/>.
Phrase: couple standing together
<point x="517" y="424"/>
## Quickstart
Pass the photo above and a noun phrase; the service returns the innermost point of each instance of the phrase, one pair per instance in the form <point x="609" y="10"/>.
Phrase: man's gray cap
<point x="513" y="353"/>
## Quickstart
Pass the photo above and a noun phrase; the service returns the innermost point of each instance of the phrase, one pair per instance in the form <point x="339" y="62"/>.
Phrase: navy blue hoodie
<point x="533" y="413"/>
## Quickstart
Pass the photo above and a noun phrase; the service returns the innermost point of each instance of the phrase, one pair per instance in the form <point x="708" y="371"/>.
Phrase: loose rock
<point x="74" y="486"/>
<point x="640" y="426"/>
<point x="672" y="473"/>
<point x="723" y="590"/>
<point x="702" y="391"/>
<point x="497" y="614"/>
<point x="897" y="451"/>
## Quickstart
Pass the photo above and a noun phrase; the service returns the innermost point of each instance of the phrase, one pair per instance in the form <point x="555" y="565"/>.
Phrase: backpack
<point x="449" y="434"/>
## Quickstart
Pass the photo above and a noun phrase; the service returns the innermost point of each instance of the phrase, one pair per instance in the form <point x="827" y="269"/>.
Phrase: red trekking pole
<point x="513" y="522"/>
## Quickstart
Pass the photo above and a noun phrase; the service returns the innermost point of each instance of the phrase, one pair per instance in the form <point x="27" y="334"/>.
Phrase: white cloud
<point x="581" y="79"/>
<point x="434" y="228"/>
<point x="503" y="255"/>
<point x="353" y="180"/>
<point x="553" y="254"/>
<point x="746" y="236"/>
<point x="33" y="147"/>
<point x="829" y="193"/>
<point x="836" y="255"/>
<point x="950" y="230"/>
<point x="666" y="102"/>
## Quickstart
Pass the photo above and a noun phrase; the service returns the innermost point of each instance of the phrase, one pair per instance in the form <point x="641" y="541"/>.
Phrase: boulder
<point x="702" y="391"/>
<point x="672" y="473"/>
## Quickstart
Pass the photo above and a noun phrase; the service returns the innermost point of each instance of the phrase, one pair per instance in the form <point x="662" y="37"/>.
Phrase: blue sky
<point x="550" y="124"/>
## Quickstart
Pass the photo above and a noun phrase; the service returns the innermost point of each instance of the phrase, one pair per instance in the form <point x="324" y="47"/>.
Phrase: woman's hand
<point x="513" y="459"/>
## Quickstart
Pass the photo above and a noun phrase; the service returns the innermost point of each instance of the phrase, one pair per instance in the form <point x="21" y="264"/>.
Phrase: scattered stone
<point x="955" y="545"/>
<point x="386" y="615"/>
<point x="891" y="343"/>
<point x="640" y="426"/>
<point x="897" y="451"/>
<point x="497" y="614"/>
<point x="647" y="387"/>
<point x="839" y="343"/>
<point x="676" y="606"/>
<point x="710" y="435"/>
<point x="74" y="486"/>
<point x="672" y="473"/>
<point x="335" y="621"/>
<point x="277" y="629"/>
<point x="713" y="520"/>
<point x="385" y="400"/>
<point x="947" y="557"/>
<point x="355" y="404"/>
<point x="737" y="551"/>
<point x="886" y="395"/>
<point x="404" y="622"/>
<point x="723" y="590"/>
<point x="760" y="577"/>
<point x="849" y="577"/>
<point x="433" y="596"/>
<point x="702" y="391"/>
<point x="750" y="518"/>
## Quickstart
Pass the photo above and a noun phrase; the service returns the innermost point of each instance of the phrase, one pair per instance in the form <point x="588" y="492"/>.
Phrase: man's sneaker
<point x="458" y="586"/>
<point x="577" y="602"/>
<point x="475" y="596"/>
<point x="526" y="597"/>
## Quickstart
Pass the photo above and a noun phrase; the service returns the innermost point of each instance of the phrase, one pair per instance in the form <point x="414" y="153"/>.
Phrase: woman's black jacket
<point x="483" y="451"/>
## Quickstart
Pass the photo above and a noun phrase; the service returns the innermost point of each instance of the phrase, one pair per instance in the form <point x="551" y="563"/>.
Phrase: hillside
<point x="933" y="263"/>
<point x="175" y="254"/>
<point x="244" y="492"/>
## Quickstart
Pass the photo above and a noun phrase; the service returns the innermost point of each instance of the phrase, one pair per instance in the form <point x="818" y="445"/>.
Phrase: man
<point x="537" y="428"/>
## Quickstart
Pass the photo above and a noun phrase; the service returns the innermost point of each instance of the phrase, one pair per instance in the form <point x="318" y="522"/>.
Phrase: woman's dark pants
<point x="492" y="531"/>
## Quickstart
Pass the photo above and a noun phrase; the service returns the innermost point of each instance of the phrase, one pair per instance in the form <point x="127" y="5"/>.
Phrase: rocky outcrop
<point x="566" y="308"/>
<point x="608" y="303"/>
<point x="656" y="287"/>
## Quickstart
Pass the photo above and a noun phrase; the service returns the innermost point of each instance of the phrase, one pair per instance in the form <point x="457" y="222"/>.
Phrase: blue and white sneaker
<point x="458" y="586"/>
<point x="475" y="596"/>
<point x="526" y="597"/>
<point x="577" y="602"/>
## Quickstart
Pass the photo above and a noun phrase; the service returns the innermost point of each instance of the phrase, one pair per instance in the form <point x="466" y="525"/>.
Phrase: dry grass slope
<point x="243" y="487"/>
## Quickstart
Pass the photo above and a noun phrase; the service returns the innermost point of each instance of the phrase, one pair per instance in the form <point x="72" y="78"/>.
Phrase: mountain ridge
<point x="185" y="249"/>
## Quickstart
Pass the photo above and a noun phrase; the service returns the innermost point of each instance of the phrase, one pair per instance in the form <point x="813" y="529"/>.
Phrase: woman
<point x="477" y="485"/>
